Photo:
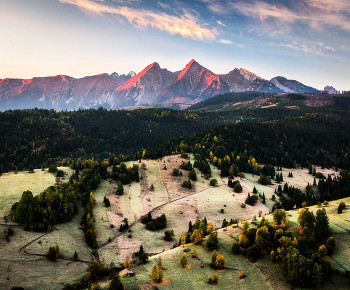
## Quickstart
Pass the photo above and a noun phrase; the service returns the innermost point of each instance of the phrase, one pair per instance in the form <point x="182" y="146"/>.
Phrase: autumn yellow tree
<point x="126" y="262"/>
<point x="157" y="274"/>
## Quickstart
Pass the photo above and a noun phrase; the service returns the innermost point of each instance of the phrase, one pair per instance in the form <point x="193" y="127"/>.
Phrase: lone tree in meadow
<point x="183" y="261"/>
<point x="157" y="274"/>
<point x="213" y="182"/>
<point x="238" y="187"/>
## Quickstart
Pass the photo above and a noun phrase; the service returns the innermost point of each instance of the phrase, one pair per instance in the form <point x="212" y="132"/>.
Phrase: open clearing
<point x="260" y="275"/>
<point x="33" y="272"/>
<point x="13" y="184"/>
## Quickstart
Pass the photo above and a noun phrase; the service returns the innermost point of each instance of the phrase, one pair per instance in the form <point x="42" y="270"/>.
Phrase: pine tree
<point x="263" y="198"/>
<point x="190" y="227"/>
<point x="254" y="190"/>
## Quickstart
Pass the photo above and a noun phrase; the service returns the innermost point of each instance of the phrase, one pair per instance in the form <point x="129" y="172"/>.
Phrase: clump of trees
<point x="125" y="174"/>
<point x="53" y="253"/>
<point x="302" y="257"/>
<point x="154" y="224"/>
<point x="186" y="166"/>
<point x="251" y="199"/>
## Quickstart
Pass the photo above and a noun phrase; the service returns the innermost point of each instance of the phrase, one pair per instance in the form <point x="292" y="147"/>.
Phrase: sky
<point x="306" y="40"/>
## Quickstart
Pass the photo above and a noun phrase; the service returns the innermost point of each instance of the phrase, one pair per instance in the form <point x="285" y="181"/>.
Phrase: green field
<point x="13" y="184"/>
<point x="33" y="272"/>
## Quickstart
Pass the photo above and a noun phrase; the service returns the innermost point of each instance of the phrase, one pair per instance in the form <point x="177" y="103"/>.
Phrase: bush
<point x="251" y="199"/>
<point x="187" y="184"/>
<point x="325" y="203"/>
<point x="236" y="249"/>
<point x="242" y="275"/>
<point x="168" y="235"/>
<point x="213" y="280"/>
<point x="238" y="187"/>
<point x="60" y="173"/>
<point x="143" y="258"/>
<point x="183" y="261"/>
<point x="193" y="175"/>
<point x="264" y="180"/>
<point x="341" y="207"/>
<point x="176" y="172"/>
<point x="213" y="182"/>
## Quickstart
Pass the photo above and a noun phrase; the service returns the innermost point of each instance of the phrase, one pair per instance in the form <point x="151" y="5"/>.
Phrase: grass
<point x="260" y="275"/>
<point x="212" y="200"/>
<point x="102" y="225"/>
<point x="160" y="195"/>
<point x="32" y="272"/>
<point x="130" y="202"/>
<point x="12" y="185"/>
<point x="68" y="236"/>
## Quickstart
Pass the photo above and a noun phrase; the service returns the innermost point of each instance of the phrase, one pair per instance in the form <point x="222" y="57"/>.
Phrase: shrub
<point x="120" y="189"/>
<point x="236" y="249"/>
<point x="341" y="207"/>
<point x="242" y="274"/>
<point x="251" y="199"/>
<point x="213" y="280"/>
<point x="187" y="184"/>
<point x="213" y="182"/>
<point x="126" y="262"/>
<point x="325" y="203"/>
<point x="238" y="187"/>
<point x="212" y="242"/>
<point x="183" y="261"/>
<point x="176" y="172"/>
<point x="264" y="180"/>
<point x="168" y="235"/>
<point x="75" y="256"/>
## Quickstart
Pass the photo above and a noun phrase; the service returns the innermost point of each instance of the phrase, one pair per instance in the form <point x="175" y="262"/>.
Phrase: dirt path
<point x="153" y="210"/>
<point x="23" y="250"/>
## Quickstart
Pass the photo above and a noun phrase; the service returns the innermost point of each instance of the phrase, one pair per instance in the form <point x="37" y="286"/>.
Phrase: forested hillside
<point x="29" y="138"/>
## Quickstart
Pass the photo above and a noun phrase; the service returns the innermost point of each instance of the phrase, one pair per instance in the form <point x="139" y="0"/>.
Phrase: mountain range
<point x="154" y="86"/>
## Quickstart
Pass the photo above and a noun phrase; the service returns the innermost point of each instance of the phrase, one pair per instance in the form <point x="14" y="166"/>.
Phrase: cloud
<point x="220" y="23"/>
<point x="225" y="41"/>
<point x="186" y="25"/>
<point x="313" y="13"/>
<point x="309" y="47"/>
